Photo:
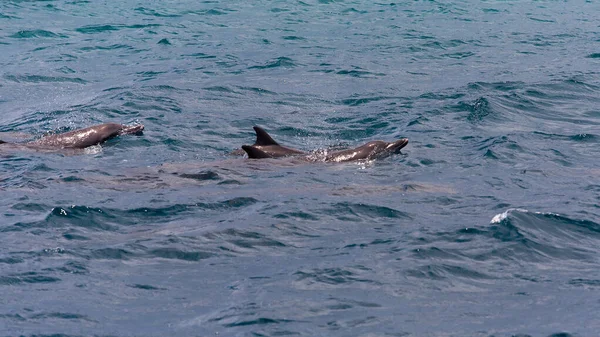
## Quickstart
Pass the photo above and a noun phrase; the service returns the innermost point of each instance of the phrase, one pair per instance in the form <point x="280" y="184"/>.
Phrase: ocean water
<point x="487" y="224"/>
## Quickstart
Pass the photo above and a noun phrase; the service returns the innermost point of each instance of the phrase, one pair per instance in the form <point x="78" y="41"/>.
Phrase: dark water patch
<point x="364" y="100"/>
<point x="439" y="272"/>
<point x="459" y="55"/>
<point x="214" y="11"/>
<point x="43" y="79"/>
<point x="153" y="12"/>
<point x="346" y="304"/>
<point x="177" y="254"/>
<point x="584" y="137"/>
<point x="507" y="86"/>
<point x="145" y="287"/>
<point x="359" y="73"/>
<point x="4" y="16"/>
<point x="11" y="260"/>
<point x="149" y="75"/>
<point x="61" y="315"/>
<point x="441" y="96"/>
<point x="244" y="240"/>
<point x="228" y="204"/>
<point x="283" y="62"/>
<point x="79" y="216"/>
<point x="293" y="38"/>
<point x="28" y="34"/>
<point x="111" y="254"/>
<point x="541" y="20"/>
<point x="110" y="47"/>
<point x="30" y="207"/>
<point x="53" y="335"/>
<point x="72" y="267"/>
<point x="477" y="110"/>
<point x="71" y="179"/>
<point x="334" y="276"/>
<point x="27" y="278"/>
<point x="14" y="317"/>
<point x="82" y="216"/>
<point x="201" y="56"/>
<point x="202" y="176"/>
<point x="347" y="211"/>
<point x="299" y="215"/>
<point x="585" y="282"/>
<point x="579" y="138"/>
<point x="260" y="91"/>
<point x="230" y="182"/>
<point x="221" y="89"/>
<point x="434" y="253"/>
<point x="594" y="56"/>
<point x="258" y="321"/>
<point x="95" y="29"/>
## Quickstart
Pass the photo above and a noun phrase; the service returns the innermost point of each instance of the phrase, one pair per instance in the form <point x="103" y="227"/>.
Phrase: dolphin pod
<point x="266" y="147"/>
<point x="81" y="138"/>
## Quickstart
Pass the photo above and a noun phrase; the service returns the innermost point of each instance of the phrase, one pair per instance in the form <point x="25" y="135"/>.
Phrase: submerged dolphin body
<point x="81" y="138"/>
<point x="266" y="147"/>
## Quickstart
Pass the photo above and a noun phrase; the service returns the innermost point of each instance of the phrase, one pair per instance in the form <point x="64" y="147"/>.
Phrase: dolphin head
<point x="396" y="146"/>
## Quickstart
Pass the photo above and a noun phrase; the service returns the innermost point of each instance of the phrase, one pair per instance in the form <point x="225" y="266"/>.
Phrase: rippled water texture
<point x="487" y="224"/>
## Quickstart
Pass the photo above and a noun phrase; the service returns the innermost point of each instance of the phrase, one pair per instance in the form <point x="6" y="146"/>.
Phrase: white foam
<point x="499" y="217"/>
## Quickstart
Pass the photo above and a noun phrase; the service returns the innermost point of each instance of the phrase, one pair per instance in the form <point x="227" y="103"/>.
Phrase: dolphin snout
<point x="398" y="145"/>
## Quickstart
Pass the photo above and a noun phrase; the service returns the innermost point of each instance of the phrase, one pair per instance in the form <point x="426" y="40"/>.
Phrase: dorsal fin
<point x="263" y="138"/>
<point x="255" y="153"/>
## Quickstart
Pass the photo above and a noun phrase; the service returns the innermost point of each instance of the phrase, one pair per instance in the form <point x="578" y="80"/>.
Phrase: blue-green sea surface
<point x="487" y="224"/>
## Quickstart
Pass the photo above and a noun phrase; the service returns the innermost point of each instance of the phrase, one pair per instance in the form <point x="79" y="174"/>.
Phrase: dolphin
<point x="265" y="144"/>
<point x="82" y="138"/>
<point x="372" y="150"/>
<point x="266" y="147"/>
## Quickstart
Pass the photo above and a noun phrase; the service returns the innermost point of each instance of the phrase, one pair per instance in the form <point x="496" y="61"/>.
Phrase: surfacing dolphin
<point x="266" y="147"/>
<point x="81" y="138"/>
<point x="266" y="144"/>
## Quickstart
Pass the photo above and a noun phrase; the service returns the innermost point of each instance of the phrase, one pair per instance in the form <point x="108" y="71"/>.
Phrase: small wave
<point x="43" y="79"/>
<point x="95" y="29"/>
<point x="359" y="73"/>
<point x="284" y="62"/>
<point x="27" y="278"/>
<point x="333" y="277"/>
<point x="347" y="211"/>
<point x="500" y="217"/>
<point x="545" y="236"/>
<point x="28" y="34"/>
<point x="152" y="12"/>
<point x="145" y="287"/>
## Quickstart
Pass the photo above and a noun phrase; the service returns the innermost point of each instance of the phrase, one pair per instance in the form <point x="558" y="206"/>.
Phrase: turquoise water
<point x="487" y="224"/>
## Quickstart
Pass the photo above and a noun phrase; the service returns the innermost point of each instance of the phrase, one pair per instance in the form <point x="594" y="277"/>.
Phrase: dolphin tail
<point x="255" y="153"/>
<point x="132" y="130"/>
<point x="262" y="137"/>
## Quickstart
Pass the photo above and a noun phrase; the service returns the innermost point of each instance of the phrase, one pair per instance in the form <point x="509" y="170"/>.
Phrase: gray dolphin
<point x="266" y="147"/>
<point x="265" y="144"/>
<point x="81" y="138"/>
